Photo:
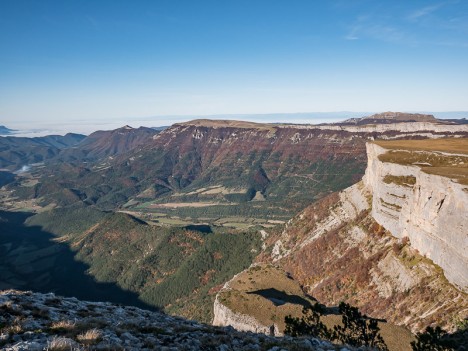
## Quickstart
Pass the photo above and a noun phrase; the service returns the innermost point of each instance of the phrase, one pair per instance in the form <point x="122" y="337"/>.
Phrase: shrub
<point x="62" y="326"/>
<point x="432" y="339"/>
<point x="308" y="324"/>
<point x="60" y="344"/>
<point x="358" y="329"/>
<point x="92" y="336"/>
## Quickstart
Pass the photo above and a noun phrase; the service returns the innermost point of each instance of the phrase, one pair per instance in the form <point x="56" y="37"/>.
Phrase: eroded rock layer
<point x="394" y="245"/>
<point x="431" y="210"/>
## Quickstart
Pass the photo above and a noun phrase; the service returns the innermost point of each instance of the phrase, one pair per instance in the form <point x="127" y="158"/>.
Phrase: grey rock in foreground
<point x="34" y="321"/>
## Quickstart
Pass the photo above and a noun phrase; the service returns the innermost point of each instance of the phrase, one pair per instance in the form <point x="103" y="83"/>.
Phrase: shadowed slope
<point x="32" y="259"/>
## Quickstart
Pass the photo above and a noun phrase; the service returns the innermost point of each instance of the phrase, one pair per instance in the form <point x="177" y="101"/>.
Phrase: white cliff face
<point x="353" y="201"/>
<point x="412" y="127"/>
<point x="428" y="129"/>
<point x="431" y="210"/>
<point x="223" y="316"/>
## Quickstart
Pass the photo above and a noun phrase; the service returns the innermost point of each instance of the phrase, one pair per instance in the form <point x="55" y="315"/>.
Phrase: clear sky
<point x="65" y="61"/>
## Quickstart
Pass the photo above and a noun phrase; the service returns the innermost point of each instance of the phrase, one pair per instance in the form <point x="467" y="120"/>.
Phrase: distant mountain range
<point x="16" y="152"/>
<point x="171" y="215"/>
<point x="102" y="144"/>
<point x="5" y="131"/>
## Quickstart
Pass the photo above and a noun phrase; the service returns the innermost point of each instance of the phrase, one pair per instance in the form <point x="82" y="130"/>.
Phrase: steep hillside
<point x="173" y="268"/>
<point x="31" y="258"/>
<point x="348" y="256"/>
<point x="261" y="297"/>
<point x="102" y="144"/>
<point x="338" y="250"/>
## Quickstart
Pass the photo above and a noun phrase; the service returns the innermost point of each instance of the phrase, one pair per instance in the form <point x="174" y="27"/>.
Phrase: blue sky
<point x="66" y="61"/>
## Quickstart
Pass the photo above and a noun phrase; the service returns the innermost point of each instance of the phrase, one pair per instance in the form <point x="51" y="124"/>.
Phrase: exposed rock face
<point x="427" y="129"/>
<point x="338" y="252"/>
<point x="262" y="296"/>
<point x="350" y="246"/>
<point x="258" y="299"/>
<point x="399" y="124"/>
<point x="223" y="316"/>
<point x="430" y="210"/>
<point x="33" y="321"/>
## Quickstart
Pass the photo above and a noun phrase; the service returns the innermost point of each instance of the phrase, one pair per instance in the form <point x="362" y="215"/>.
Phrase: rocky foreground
<point x="34" y="321"/>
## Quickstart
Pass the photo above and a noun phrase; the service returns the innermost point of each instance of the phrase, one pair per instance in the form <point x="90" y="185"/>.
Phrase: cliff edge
<point x="398" y="238"/>
<point x="429" y="209"/>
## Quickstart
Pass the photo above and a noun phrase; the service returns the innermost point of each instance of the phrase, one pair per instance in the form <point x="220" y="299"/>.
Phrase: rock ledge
<point x="35" y="321"/>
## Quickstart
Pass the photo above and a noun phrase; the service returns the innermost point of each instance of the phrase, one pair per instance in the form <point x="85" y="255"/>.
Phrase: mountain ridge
<point x="103" y="144"/>
<point x="186" y="182"/>
<point x="393" y="117"/>
<point x="16" y="152"/>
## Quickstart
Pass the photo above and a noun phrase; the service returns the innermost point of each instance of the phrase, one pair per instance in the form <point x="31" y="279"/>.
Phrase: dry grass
<point x="415" y="153"/>
<point x="60" y="344"/>
<point x="242" y="298"/>
<point x="90" y="337"/>
<point x="424" y="159"/>
<point x="452" y="145"/>
<point x="15" y="328"/>
<point x="460" y="174"/>
<point x="407" y="181"/>
<point x="64" y="325"/>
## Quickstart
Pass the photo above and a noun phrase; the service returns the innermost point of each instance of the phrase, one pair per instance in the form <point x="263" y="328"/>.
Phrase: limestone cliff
<point x="420" y="128"/>
<point x="224" y="316"/>
<point x="398" y="239"/>
<point x="258" y="299"/>
<point x="430" y="210"/>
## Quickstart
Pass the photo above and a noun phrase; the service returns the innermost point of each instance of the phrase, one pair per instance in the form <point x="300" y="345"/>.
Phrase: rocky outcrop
<point x="33" y="321"/>
<point x="366" y="246"/>
<point x="426" y="129"/>
<point x="223" y="316"/>
<point x="430" y="210"/>
<point x="258" y="299"/>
